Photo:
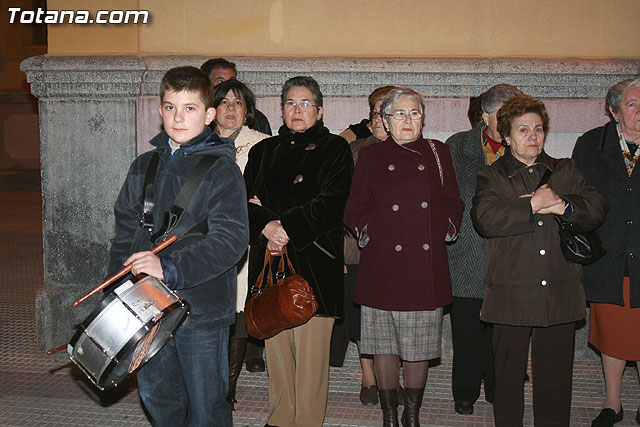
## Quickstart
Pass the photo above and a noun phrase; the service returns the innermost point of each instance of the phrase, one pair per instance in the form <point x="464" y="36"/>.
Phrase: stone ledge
<point x="84" y="76"/>
<point x="132" y="76"/>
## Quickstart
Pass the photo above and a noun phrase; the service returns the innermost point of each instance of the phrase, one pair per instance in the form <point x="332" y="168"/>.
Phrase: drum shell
<point x="104" y="343"/>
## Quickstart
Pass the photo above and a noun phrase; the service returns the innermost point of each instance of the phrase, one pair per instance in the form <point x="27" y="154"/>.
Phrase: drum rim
<point x="133" y="341"/>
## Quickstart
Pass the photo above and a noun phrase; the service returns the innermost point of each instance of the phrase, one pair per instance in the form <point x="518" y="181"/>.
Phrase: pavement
<point x="41" y="390"/>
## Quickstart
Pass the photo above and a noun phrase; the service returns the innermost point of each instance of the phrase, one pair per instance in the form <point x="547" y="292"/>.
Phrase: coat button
<point x="542" y="252"/>
<point x="292" y="142"/>
<point x="391" y="167"/>
<point x="629" y="222"/>
<point x="310" y="147"/>
<point x="543" y="283"/>
<point x="425" y="246"/>
<point x="530" y="170"/>
<point x="298" y="179"/>
<point x="421" y="167"/>
<point x="424" y="205"/>
<point x="398" y="248"/>
<point x="540" y="223"/>
<point x="395" y="208"/>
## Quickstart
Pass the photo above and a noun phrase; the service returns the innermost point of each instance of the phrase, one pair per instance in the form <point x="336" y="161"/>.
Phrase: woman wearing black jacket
<point x="298" y="182"/>
<point x="606" y="156"/>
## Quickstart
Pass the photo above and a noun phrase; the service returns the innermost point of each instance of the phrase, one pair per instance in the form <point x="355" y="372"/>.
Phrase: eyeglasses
<point x="402" y="115"/>
<point x="304" y="105"/>
<point x="375" y="115"/>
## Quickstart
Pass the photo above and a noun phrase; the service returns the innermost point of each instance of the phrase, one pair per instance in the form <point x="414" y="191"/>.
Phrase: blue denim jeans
<point x="186" y="382"/>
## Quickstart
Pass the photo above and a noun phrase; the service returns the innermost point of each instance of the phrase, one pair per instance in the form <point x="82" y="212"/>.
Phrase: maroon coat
<point x="398" y="203"/>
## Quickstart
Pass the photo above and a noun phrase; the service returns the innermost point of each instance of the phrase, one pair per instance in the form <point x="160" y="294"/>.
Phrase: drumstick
<point x="55" y="350"/>
<point x="169" y="240"/>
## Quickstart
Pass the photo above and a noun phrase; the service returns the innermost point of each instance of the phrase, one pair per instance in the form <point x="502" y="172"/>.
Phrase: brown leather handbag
<point x="274" y="307"/>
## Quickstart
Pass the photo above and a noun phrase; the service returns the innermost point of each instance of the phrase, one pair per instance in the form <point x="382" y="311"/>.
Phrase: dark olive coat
<point x="303" y="179"/>
<point x="528" y="282"/>
<point x="599" y="157"/>
<point x="397" y="194"/>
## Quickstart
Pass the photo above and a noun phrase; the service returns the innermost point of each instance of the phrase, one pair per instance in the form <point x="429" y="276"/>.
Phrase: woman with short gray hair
<point x="607" y="157"/>
<point x="472" y="343"/>
<point x="403" y="205"/>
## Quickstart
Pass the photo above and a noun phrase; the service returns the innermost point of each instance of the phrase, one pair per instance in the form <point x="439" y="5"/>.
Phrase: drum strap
<point x="181" y="202"/>
<point x="146" y="219"/>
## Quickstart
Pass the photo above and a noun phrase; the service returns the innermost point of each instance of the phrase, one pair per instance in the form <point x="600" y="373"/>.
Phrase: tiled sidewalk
<point x="41" y="390"/>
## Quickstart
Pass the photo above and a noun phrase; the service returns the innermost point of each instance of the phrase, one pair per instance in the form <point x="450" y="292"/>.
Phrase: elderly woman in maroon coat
<point x="404" y="204"/>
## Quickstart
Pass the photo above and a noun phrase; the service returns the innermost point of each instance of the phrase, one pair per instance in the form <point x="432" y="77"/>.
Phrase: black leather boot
<point x="389" y="405"/>
<point x="412" y="404"/>
<point x="237" y="347"/>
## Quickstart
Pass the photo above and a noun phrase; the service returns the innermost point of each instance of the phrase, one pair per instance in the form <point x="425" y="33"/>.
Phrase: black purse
<point x="578" y="246"/>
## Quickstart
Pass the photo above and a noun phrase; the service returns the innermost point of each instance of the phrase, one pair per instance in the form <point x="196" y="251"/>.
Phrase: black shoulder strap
<point x="146" y="220"/>
<point x="184" y="197"/>
<point x="193" y="181"/>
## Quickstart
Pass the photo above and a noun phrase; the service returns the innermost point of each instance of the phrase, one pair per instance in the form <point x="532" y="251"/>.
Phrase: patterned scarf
<point x="487" y="151"/>
<point x="629" y="158"/>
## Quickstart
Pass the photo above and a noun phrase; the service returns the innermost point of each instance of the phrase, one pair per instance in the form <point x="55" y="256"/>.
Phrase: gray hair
<point x="495" y="96"/>
<point x="395" y="94"/>
<point x="307" y="82"/>
<point x="616" y="93"/>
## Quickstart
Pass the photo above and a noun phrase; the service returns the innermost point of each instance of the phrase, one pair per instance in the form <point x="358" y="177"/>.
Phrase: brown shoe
<point x="369" y="395"/>
<point x="255" y="364"/>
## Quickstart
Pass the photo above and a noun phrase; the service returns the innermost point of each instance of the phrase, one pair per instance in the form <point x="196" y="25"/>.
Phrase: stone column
<point x="87" y="140"/>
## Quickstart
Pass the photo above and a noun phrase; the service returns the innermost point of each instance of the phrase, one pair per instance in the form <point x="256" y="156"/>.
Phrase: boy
<point x="186" y="382"/>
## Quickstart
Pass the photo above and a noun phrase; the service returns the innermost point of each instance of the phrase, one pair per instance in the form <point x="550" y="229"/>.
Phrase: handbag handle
<point x="265" y="269"/>
<point x="279" y="274"/>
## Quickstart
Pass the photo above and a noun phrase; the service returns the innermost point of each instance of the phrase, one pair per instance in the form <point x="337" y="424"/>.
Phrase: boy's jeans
<point x="186" y="382"/>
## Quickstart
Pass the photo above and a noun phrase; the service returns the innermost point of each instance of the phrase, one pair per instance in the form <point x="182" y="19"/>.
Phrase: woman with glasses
<point x="403" y="205"/>
<point x="298" y="182"/>
<point x="366" y="127"/>
<point x="368" y="389"/>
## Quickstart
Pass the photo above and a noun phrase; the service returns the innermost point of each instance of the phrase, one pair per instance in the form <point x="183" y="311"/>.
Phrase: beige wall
<point x="422" y="28"/>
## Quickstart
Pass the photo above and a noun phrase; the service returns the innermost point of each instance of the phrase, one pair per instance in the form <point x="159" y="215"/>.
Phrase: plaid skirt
<point x="412" y="335"/>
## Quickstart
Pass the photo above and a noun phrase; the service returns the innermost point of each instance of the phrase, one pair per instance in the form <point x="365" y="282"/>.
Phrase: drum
<point x="126" y="331"/>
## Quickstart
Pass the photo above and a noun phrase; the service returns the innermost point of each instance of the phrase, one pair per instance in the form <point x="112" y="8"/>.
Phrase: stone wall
<point x="97" y="114"/>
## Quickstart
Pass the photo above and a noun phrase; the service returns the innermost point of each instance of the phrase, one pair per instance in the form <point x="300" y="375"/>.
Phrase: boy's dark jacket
<point x="201" y="268"/>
